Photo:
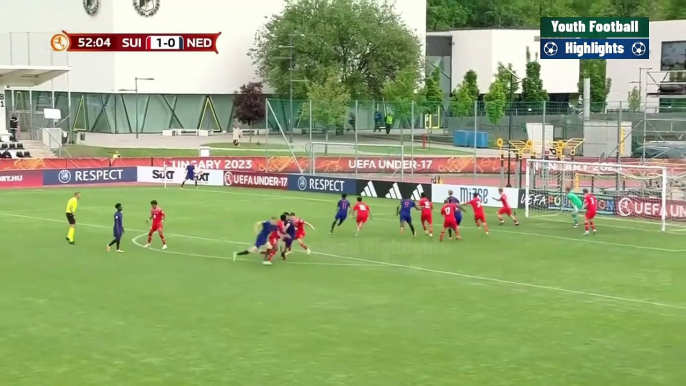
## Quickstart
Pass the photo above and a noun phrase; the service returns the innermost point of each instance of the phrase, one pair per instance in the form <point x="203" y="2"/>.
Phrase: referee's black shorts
<point x="71" y="219"/>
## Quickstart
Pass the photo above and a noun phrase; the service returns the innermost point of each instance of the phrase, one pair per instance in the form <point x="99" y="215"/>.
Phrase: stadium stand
<point x="13" y="150"/>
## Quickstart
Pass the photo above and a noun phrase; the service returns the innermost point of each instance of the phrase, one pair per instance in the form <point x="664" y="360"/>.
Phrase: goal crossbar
<point x="356" y="154"/>
<point x="627" y="191"/>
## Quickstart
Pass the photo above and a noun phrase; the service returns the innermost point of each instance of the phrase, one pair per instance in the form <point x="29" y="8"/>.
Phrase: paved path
<point x="300" y="143"/>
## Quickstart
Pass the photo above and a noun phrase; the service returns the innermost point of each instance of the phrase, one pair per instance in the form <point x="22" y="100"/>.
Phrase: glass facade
<point x="123" y="113"/>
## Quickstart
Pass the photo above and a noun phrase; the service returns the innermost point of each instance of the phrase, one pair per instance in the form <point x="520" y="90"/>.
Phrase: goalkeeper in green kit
<point x="576" y="204"/>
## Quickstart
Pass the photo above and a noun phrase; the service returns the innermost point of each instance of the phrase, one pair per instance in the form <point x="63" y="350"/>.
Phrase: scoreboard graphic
<point x="595" y="38"/>
<point x="134" y="42"/>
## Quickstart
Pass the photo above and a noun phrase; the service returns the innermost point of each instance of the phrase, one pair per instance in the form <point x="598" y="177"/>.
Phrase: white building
<point x="197" y="87"/>
<point x="667" y="52"/>
<point x="481" y="50"/>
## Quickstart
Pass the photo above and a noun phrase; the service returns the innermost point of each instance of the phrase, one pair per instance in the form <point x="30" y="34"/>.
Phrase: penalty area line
<point x="135" y="242"/>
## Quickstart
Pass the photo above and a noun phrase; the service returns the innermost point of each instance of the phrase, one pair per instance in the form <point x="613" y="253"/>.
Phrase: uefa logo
<point x="302" y="183"/>
<point x="64" y="176"/>
<point x="228" y="177"/>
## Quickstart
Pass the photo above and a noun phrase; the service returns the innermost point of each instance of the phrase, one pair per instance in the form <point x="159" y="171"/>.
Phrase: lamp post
<point x="135" y="90"/>
<point x="290" y="47"/>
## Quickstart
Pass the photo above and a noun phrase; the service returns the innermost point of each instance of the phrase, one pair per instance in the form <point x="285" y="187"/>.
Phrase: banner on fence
<point x="255" y="180"/>
<point x="322" y="184"/>
<point x="650" y="208"/>
<point x="393" y="190"/>
<point x="89" y="176"/>
<point x="21" y="179"/>
<point x="465" y="193"/>
<point x="176" y="176"/>
<point x="540" y="199"/>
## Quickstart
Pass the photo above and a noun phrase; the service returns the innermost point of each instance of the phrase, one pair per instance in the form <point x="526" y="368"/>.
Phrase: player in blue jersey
<point x="405" y="213"/>
<point x="458" y="213"/>
<point x="289" y="227"/>
<point x="263" y="229"/>
<point x="342" y="210"/>
<point x="118" y="228"/>
<point x="190" y="175"/>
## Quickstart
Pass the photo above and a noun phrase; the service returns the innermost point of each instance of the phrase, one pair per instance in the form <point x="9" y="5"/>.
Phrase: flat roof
<point x="29" y="76"/>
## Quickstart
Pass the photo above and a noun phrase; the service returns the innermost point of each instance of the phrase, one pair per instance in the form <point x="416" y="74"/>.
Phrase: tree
<point x="462" y="103"/>
<point x="365" y="41"/>
<point x="600" y="85"/>
<point x="444" y="14"/>
<point x="634" y="99"/>
<point x="402" y="93"/>
<point x="495" y="102"/>
<point x="504" y="76"/>
<point x="470" y="82"/>
<point x="330" y="101"/>
<point x="249" y="104"/>
<point x="532" y="85"/>
<point x="432" y="94"/>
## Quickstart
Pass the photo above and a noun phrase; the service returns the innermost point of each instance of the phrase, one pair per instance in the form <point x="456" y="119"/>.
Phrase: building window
<point x="673" y="56"/>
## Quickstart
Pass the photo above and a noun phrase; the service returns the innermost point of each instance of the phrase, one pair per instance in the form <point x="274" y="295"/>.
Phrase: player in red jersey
<point x="277" y="235"/>
<point x="591" y="204"/>
<point x="506" y="209"/>
<point x="362" y="214"/>
<point x="300" y="231"/>
<point x="157" y="217"/>
<point x="427" y="215"/>
<point x="449" y="220"/>
<point x="479" y="215"/>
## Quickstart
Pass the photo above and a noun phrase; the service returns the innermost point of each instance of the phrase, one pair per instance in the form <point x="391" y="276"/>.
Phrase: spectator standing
<point x="389" y="123"/>
<point x="378" y="121"/>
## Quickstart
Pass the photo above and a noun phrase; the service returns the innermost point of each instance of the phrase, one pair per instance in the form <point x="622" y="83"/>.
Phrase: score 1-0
<point x="164" y="43"/>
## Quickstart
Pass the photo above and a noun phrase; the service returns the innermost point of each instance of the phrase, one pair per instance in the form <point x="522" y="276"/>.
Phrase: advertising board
<point x="322" y="184"/>
<point x="393" y="190"/>
<point x="465" y="193"/>
<point x="89" y="176"/>
<point x="155" y="175"/>
<point x="255" y="180"/>
<point x="21" y="179"/>
<point x="546" y="200"/>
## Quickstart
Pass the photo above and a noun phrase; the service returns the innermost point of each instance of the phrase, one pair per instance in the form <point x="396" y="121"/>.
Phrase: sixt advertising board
<point x="162" y="175"/>
<point x="322" y="184"/>
<point x="89" y="176"/>
<point x="465" y="193"/>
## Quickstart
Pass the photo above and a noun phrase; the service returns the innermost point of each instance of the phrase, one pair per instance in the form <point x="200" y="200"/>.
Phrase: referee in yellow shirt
<point x="72" y="204"/>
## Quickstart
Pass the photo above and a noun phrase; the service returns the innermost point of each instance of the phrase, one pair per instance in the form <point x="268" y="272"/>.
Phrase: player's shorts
<point x="362" y="219"/>
<point x="289" y="241"/>
<point x="590" y="215"/>
<point x="479" y="218"/>
<point x="458" y="218"/>
<point x="450" y="224"/>
<point x="340" y="217"/>
<point x="406" y="218"/>
<point x="190" y="176"/>
<point x="507" y="211"/>
<point x="575" y="210"/>
<point x="260" y="241"/>
<point x="300" y="235"/>
<point x="117" y="234"/>
<point x="427" y="218"/>
<point x="71" y="219"/>
<point x="156" y="227"/>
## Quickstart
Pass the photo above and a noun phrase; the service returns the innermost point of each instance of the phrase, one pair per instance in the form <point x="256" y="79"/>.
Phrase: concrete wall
<point x="624" y="72"/>
<point x="174" y="73"/>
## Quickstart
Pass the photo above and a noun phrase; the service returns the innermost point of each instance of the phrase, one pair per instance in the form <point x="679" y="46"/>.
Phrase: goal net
<point x="388" y="159"/>
<point x="624" y="192"/>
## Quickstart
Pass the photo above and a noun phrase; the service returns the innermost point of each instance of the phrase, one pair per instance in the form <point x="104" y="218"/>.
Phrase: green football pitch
<point x="531" y="305"/>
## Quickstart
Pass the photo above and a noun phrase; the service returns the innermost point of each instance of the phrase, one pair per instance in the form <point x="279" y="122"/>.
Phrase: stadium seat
<point x="4" y="146"/>
<point x="20" y="145"/>
<point x="19" y="154"/>
<point x="13" y="145"/>
<point x="27" y="154"/>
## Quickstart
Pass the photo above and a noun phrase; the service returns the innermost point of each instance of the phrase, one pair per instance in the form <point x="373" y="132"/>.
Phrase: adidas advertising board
<point x="464" y="193"/>
<point x="322" y="184"/>
<point x="157" y="175"/>
<point x="392" y="190"/>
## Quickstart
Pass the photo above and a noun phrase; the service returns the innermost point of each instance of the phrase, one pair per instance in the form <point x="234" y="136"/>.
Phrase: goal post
<point x="624" y="191"/>
<point x="392" y="155"/>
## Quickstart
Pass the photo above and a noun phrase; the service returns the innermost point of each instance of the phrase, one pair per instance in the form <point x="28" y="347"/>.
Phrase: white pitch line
<point x="135" y="241"/>
<point x="415" y="268"/>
